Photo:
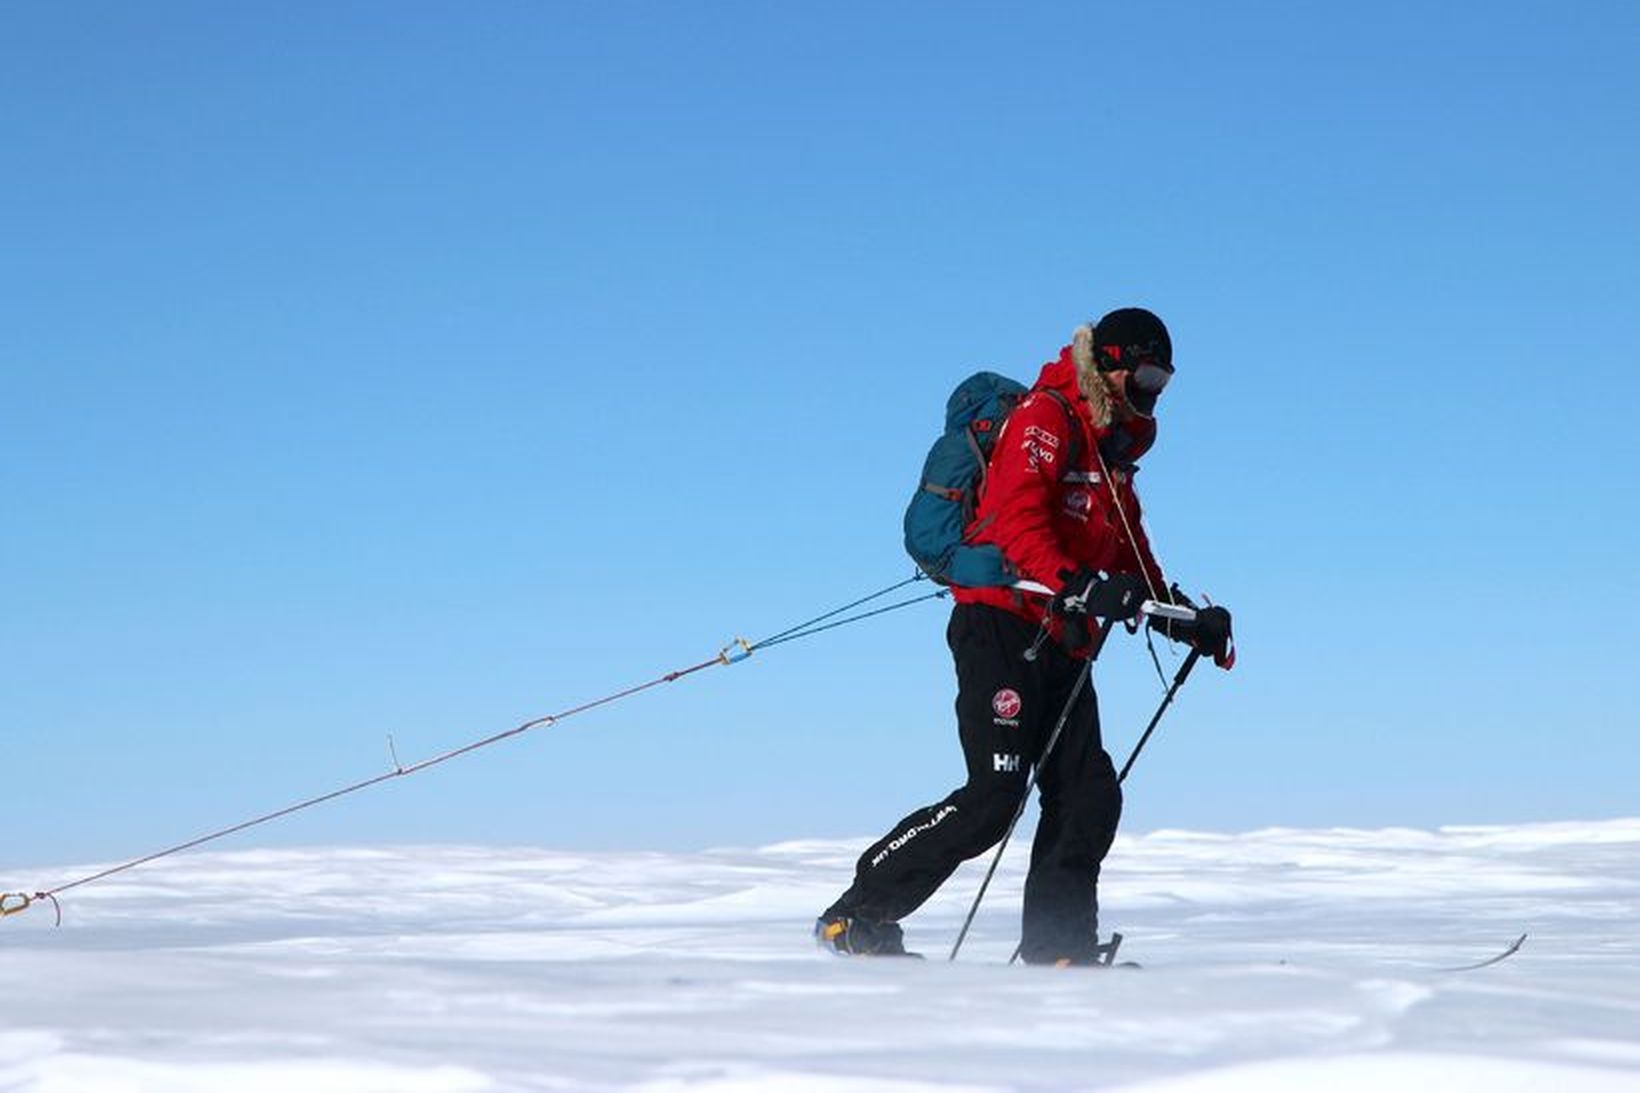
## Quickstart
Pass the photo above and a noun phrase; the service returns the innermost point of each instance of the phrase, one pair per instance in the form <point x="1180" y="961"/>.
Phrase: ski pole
<point x="1167" y="700"/>
<point x="1030" y="782"/>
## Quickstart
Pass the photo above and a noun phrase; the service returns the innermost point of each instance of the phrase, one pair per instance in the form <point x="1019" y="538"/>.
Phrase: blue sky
<point x="418" y="368"/>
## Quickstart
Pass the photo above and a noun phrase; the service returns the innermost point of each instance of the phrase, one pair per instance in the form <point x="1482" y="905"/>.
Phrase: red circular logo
<point x="1006" y="703"/>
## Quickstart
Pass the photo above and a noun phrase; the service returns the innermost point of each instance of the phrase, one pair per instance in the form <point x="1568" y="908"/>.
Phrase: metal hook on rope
<point x="15" y="903"/>
<point x="736" y="651"/>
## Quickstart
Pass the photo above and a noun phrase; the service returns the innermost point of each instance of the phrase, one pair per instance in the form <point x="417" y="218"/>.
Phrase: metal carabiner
<point x="14" y="903"/>
<point x="736" y="651"/>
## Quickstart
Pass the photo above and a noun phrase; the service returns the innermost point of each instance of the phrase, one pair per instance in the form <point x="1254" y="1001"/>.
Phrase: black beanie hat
<point x="1132" y="326"/>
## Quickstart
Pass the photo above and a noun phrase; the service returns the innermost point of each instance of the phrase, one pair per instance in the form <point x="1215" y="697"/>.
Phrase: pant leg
<point x="1081" y="807"/>
<point x="1000" y="711"/>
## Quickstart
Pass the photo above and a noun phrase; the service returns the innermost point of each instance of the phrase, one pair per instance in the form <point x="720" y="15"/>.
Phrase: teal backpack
<point x="952" y="476"/>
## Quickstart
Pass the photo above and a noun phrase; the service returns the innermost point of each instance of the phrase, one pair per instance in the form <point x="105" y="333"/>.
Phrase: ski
<point x="1489" y="961"/>
<point x="1107" y="957"/>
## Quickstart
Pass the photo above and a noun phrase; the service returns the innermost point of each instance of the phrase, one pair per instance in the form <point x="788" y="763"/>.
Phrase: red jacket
<point x="1049" y="516"/>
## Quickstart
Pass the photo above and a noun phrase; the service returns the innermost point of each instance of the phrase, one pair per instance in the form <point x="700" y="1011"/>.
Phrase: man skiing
<point x="1058" y="501"/>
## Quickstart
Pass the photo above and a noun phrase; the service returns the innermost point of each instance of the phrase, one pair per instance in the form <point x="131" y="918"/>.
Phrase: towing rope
<point x="15" y="903"/>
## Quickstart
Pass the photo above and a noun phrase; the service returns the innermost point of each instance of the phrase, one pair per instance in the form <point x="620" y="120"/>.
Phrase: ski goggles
<point x="1146" y="364"/>
<point x="1147" y="373"/>
<point x="1150" y="377"/>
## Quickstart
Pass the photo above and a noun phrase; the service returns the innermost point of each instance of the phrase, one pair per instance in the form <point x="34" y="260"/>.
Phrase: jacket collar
<point x="1121" y="442"/>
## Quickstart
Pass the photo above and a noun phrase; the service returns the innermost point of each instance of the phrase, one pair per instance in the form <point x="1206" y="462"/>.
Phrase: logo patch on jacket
<point x="1037" y="432"/>
<point x="1006" y="704"/>
<point x="1037" y="453"/>
<point x="1078" y="504"/>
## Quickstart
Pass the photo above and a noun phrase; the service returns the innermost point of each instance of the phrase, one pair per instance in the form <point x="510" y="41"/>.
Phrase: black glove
<point x="1213" y="637"/>
<point x="1209" y="632"/>
<point x="1086" y="593"/>
<point x="1174" y="629"/>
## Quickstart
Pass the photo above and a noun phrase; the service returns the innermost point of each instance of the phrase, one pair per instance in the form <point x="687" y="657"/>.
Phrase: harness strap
<point x="1074" y="422"/>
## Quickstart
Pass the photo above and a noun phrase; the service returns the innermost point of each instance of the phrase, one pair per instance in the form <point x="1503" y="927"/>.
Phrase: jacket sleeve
<point x="1136" y="556"/>
<point x="1022" y="488"/>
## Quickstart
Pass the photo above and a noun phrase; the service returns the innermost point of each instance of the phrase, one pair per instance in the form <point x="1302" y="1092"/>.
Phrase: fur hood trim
<point x="1088" y="379"/>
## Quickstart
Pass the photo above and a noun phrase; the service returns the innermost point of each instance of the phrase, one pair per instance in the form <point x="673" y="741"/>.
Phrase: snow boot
<point x="1094" y="956"/>
<point x="848" y="936"/>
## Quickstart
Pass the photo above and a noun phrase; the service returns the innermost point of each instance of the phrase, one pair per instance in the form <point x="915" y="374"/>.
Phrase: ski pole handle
<point x="1172" y="612"/>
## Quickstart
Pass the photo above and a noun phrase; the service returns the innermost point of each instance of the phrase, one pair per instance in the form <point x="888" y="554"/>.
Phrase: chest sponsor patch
<point x="1006" y="703"/>
<point x="1037" y="453"/>
<point x="1037" y="432"/>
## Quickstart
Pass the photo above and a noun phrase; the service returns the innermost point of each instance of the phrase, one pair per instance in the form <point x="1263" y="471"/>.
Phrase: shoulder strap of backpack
<point x="1073" y="455"/>
<point x="1074" y="420"/>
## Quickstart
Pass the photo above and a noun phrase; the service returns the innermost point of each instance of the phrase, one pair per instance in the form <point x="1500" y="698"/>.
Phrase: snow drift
<point x="1275" y="960"/>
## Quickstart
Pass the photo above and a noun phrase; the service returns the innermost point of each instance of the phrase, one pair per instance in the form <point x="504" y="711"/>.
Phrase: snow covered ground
<point x="1277" y="960"/>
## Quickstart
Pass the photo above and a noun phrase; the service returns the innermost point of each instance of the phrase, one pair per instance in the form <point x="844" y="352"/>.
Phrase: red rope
<point x="22" y="901"/>
<point x="12" y="903"/>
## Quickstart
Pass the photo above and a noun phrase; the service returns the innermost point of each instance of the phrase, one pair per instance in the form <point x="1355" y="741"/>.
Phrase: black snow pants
<point x="1006" y="709"/>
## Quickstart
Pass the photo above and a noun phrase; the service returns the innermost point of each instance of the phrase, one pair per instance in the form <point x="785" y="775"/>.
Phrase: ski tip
<point x="1513" y="948"/>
